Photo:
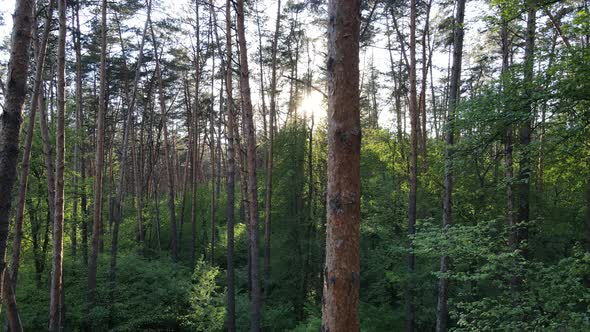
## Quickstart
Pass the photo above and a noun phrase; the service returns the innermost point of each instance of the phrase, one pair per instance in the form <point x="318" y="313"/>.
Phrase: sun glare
<point x="313" y="105"/>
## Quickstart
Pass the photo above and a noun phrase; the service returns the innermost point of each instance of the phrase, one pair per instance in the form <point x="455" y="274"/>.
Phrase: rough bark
<point x="442" y="310"/>
<point x="248" y="119"/>
<point x="25" y="164"/>
<point x="11" y="280"/>
<point x="11" y="118"/>
<point x="10" y="124"/>
<point x="342" y="269"/>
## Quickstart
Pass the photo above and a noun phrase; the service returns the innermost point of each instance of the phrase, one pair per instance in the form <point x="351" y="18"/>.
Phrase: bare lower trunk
<point x="167" y="151"/>
<point x="231" y="174"/>
<point x="138" y="192"/>
<point x="413" y="180"/>
<point x="127" y="125"/>
<point x="342" y="269"/>
<point x="79" y="115"/>
<point x="98" y="173"/>
<point x="525" y="131"/>
<point x="248" y="119"/>
<point x="244" y="212"/>
<point x="269" y="162"/>
<point x="442" y="310"/>
<point x="56" y="296"/>
<point x="195" y="155"/>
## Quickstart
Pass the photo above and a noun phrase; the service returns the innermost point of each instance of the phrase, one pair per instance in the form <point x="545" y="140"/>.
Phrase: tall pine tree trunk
<point x="168" y="164"/>
<point x="231" y="175"/>
<point x="11" y="118"/>
<point x="98" y="173"/>
<point x="127" y="125"/>
<point x="442" y="310"/>
<point x="269" y="161"/>
<point x="56" y="296"/>
<point x="248" y="119"/>
<point x="524" y="172"/>
<point x="342" y="269"/>
<point x="41" y="47"/>
<point x="413" y="179"/>
<point x="195" y="156"/>
<point x="79" y="115"/>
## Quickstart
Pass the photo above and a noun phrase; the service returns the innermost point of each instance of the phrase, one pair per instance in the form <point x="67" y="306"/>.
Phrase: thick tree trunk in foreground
<point x="56" y="296"/>
<point x="442" y="310"/>
<point x="11" y="118"/>
<point x="98" y="173"/>
<point x="25" y="165"/>
<point x="11" y="307"/>
<point x="342" y="270"/>
<point x="248" y="119"/>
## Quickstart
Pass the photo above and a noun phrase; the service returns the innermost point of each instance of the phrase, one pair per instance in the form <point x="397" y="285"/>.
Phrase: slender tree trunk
<point x="212" y="164"/>
<point x="127" y="125"/>
<point x="195" y="156"/>
<point x="248" y="119"/>
<point x="11" y="117"/>
<point x="99" y="161"/>
<point x="264" y="110"/>
<point x="231" y="174"/>
<point x="56" y="296"/>
<point x="167" y="150"/>
<point x="83" y="199"/>
<point x="442" y="310"/>
<point x="79" y="147"/>
<point x="422" y="98"/>
<point x="78" y="129"/>
<point x="244" y="207"/>
<point x="342" y="269"/>
<point x="508" y="147"/>
<point x="211" y="134"/>
<point x="48" y="152"/>
<point x="524" y="172"/>
<point x="413" y="180"/>
<point x="270" y="156"/>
